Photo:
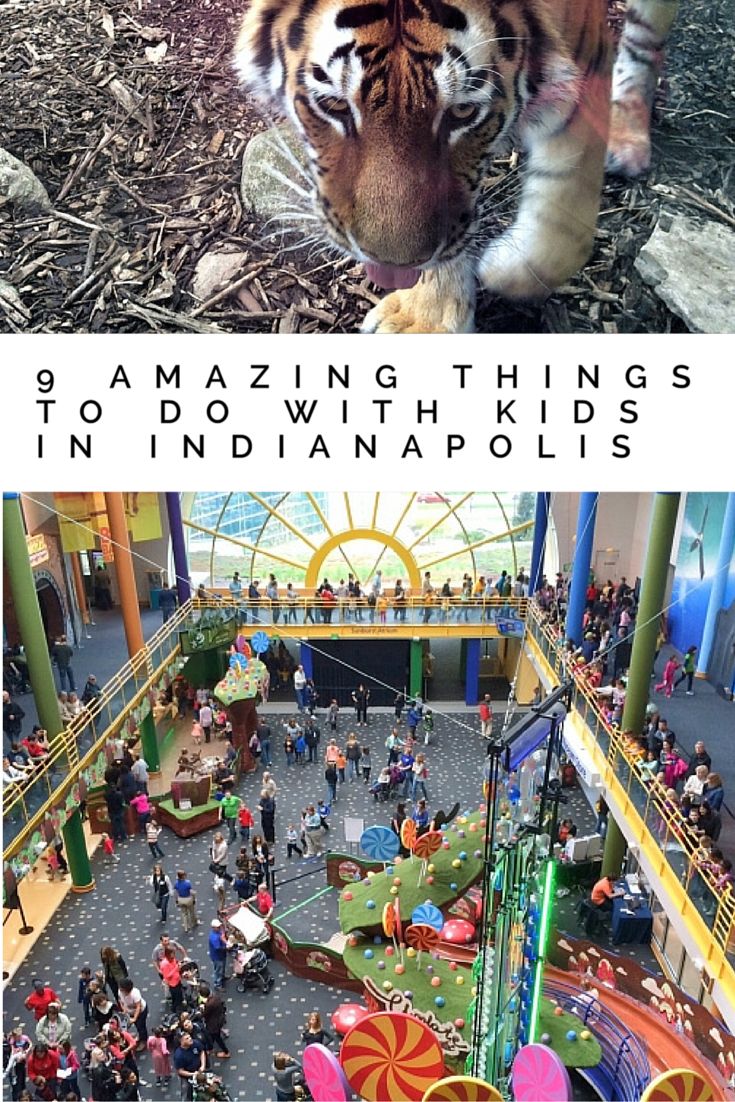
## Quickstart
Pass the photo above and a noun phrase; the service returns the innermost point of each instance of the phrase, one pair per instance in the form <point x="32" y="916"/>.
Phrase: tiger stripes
<point x="400" y="105"/>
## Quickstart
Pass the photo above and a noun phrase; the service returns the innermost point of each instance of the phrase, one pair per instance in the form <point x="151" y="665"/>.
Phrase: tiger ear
<point x="555" y="97"/>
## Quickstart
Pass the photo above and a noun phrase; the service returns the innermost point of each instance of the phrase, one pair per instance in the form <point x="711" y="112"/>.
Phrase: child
<point x="158" y="1049"/>
<point x="108" y="848"/>
<point x="243" y="885"/>
<point x="300" y="745"/>
<point x="666" y="684"/>
<point x="428" y="726"/>
<point x="292" y="841"/>
<point x="246" y="821"/>
<point x="83" y="995"/>
<point x="341" y="766"/>
<point x="366" y="765"/>
<point x="381" y="605"/>
<point x="333" y="715"/>
<point x="197" y="732"/>
<point x="152" y="834"/>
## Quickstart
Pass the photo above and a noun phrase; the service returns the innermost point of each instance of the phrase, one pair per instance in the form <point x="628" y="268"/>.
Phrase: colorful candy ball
<point x="453" y="886"/>
<point x="410" y="952"/>
<point x="370" y="875"/>
<point x="445" y="845"/>
<point x="352" y="941"/>
<point x="429" y="968"/>
<point x="585" y="1035"/>
<point x="368" y="954"/>
<point x="347" y="896"/>
<point x="436" y="981"/>
<point x="408" y="994"/>
<point x="377" y="940"/>
<point x="452" y="966"/>
<point x="558" y="1011"/>
<point x="459" y="1023"/>
<point x="397" y="881"/>
<point x="571" y="1035"/>
<point x="462" y="855"/>
<point x="431" y="868"/>
<point x="439" y="1001"/>
<point x="456" y="863"/>
<point x="393" y="890"/>
<point x="429" y="879"/>
<point x="389" y="950"/>
<point x="459" y="980"/>
<point x="478" y="853"/>
<point x="381" y="964"/>
<point x="545" y="1038"/>
<point x="399" y="969"/>
<point x="387" y="985"/>
<point x="370" y="904"/>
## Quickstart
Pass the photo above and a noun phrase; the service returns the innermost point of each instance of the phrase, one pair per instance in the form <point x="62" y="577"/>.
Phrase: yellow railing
<point x="665" y="828"/>
<point x="414" y="609"/>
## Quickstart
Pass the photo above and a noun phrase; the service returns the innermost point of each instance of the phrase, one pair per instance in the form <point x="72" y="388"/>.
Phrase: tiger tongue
<point x="390" y="278"/>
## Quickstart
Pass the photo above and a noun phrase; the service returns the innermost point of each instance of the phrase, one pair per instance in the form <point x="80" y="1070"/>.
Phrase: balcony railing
<point x="675" y="842"/>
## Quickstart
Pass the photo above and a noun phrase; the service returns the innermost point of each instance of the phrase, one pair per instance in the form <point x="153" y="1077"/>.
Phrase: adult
<point x="267" y="809"/>
<point x="699" y="757"/>
<point x="235" y="587"/>
<point x="714" y="793"/>
<point x="263" y="901"/>
<point x="264" y="736"/>
<point x="217" y="948"/>
<point x="169" y="968"/>
<point x="152" y="834"/>
<point x="254" y="599"/>
<point x="330" y="776"/>
<point x="54" y="1027"/>
<point x="288" y="1075"/>
<point x="135" y="1007"/>
<point x="229" y="811"/>
<point x="206" y="719"/>
<point x="315" y="1033"/>
<point x="214" y="1013"/>
<point x="13" y="716"/>
<point x="43" y="1062"/>
<point x="312" y="735"/>
<point x="314" y="832"/>
<point x="161" y="888"/>
<point x="218" y="856"/>
<point x="185" y="900"/>
<point x="141" y="804"/>
<point x="91" y="690"/>
<point x="167" y="601"/>
<point x="102" y="589"/>
<point x="40" y="999"/>
<point x="361" y="699"/>
<point x="299" y="685"/>
<point x="604" y="892"/>
<point x="261" y="858"/>
<point x="353" y="753"/>
<point x="139" y="770"/>
<point x="62" y="654"/>
<point x="115" y="968"/>
<point x="166" y="942"/>
<point x="189" y="1059"/>
<point x="687" y="670"/>
<point x="485" y="710"/>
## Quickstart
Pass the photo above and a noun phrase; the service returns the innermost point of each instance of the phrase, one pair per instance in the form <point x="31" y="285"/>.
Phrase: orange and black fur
<point x="400" y="104"/>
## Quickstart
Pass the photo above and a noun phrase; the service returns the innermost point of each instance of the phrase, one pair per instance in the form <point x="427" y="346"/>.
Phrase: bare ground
<point x="130" y="115"/>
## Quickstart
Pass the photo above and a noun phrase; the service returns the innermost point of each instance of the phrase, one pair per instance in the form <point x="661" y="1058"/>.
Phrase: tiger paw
<point x="443" y="301"/>
<point x="629" y="144"/>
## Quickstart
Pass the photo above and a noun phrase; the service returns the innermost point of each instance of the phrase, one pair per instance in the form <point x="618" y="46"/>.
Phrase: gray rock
<point x="272" y="170"/>
<point x="12" y="306"/>
<point x="691" y="267"/>
<point x="215" y="270"/>
<point x="21" y="186"/>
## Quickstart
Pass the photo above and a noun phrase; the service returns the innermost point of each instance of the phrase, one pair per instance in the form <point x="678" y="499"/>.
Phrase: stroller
<point x="207" y="1086"/>
<point x="251" y="969"/>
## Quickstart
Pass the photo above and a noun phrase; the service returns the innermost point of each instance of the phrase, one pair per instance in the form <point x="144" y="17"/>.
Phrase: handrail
<point x="670" y="834"/>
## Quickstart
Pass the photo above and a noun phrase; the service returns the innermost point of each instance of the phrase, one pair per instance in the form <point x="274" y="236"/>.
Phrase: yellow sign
<point x="37" y="550"/>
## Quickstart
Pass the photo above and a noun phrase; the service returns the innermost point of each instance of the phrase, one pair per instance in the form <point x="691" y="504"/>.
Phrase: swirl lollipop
<point x="425" y="847"/>
<point x="324" y="1076"/>
<point x="422" y="937"/>
<point x="390" y="1055"/>
<point x="428" y="914"/>
<point x="462" y="1088"/>
<point x="408" y="834"/>
<point x="380" y="843"/>
<point x="540" y="1076"/>
<point x="678" y="1085"/>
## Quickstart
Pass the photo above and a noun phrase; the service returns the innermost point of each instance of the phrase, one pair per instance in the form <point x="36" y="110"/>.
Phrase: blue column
<point x="541" y="523"/>
<point x="581" y="568"/>
<point x="307" y="659"/>
<point x="178" y="546"/>
<point x="719" y="583"/>
<point x="472" y="670"/>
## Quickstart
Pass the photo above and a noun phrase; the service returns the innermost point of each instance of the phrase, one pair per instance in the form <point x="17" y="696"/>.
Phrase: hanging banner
<point x="108" y="553"/>
<point x="143" y="516"/>
<point x="80" y="517"/>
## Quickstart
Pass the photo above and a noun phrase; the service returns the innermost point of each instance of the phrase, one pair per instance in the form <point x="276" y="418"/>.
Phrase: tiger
<point x="400" y="105"/>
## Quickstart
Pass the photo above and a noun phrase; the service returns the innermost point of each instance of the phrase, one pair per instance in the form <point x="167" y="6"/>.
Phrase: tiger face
<point x="400" y="105"/>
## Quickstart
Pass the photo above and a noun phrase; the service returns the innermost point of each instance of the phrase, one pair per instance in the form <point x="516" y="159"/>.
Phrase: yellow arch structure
<point x="313" y="570"/>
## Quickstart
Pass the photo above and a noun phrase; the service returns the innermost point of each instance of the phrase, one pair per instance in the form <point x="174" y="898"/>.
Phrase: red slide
<point x="665" y="1048"/>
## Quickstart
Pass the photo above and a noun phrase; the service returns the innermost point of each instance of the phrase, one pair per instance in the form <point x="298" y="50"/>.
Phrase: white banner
<point x="644" y="413"/>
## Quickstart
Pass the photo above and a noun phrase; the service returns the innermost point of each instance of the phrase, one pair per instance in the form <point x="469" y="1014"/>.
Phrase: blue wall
<point x="690" y="595"/>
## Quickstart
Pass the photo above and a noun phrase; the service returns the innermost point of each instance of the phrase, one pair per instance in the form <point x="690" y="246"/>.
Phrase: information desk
<point x="632" y="922"/>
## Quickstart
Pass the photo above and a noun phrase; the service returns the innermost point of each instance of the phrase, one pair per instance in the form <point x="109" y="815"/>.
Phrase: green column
<point x="416" y="668"/>
<point x="75" y="846"/>
<point x="149" y="744"/>
<point x="614" y="852"/>
<point x="653" y="591"/>
<point x="28" y="615"/>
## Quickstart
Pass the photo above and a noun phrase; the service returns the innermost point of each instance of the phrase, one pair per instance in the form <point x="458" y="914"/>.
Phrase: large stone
<point x="21" y="186"/>
<point x="12" y="306"/>
<point x="273" y="176"/>
<point x="215" y="270"/>
<point x="691" y="266"/>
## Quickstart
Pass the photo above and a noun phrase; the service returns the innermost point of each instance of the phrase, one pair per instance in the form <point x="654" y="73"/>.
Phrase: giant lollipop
<point x="408" y="834"/>
<point x="390" y="1055"/>
<point x="678" y="1085"/>
<point x="380" y="843"/>
<point x="426" y="846"/>
<point x="423" y="937"/>
<point x="462" y="1088"/>
<point x="539" y="1075"/>
<point x="428" y="914"/>
<point x="389" y="922"/>
<point x="324" y="1076"/>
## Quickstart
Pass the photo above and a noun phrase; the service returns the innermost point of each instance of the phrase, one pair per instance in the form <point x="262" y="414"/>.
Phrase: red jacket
<point x="47" y="1067"/>
<point x="38" y="1003"/>
<point x="486" y="711"/>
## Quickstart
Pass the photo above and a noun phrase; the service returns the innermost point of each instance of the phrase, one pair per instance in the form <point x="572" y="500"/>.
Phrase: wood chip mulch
<point x="130" y="115"/>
